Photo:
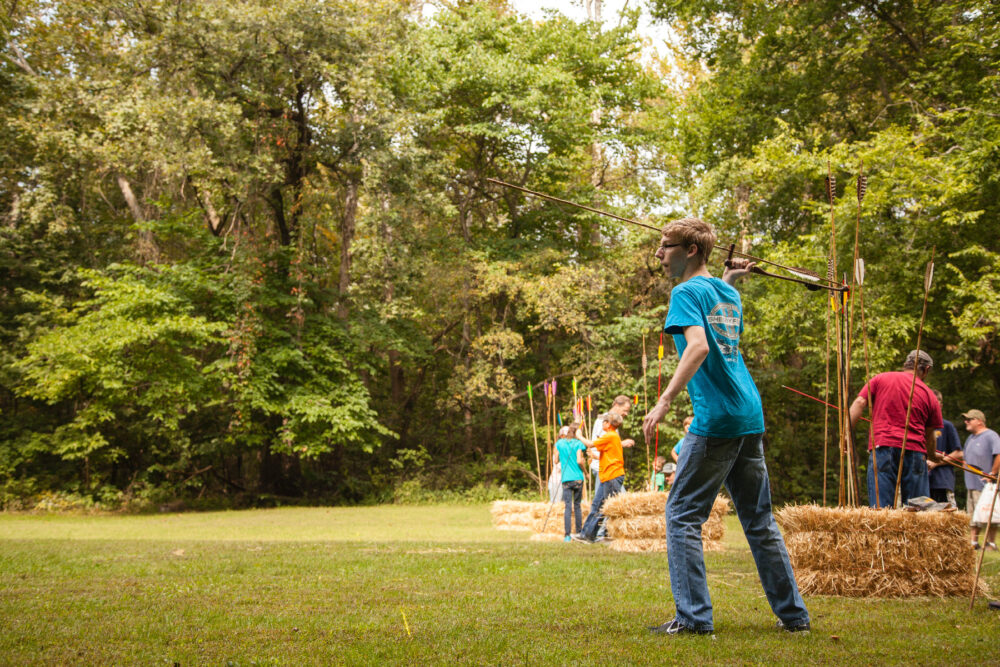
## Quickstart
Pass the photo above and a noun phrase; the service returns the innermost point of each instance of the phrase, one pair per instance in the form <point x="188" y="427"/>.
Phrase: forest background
<point x="248" y="253"/>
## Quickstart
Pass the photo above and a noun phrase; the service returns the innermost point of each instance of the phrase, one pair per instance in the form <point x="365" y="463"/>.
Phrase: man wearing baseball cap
<point x="982" y="450"/>
<point x="889" y="395"/>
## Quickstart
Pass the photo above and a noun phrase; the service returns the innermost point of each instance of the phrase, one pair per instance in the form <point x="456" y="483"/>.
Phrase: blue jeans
<point x="572" y="494"/>
<point x="915" y="480"/>
<point x="612" y="487"/>
<point x="706" y="464"/>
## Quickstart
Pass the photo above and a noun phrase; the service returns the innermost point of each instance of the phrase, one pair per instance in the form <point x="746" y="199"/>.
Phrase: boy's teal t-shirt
<point x="567" y="448"/>
<point x="725" y="399"/>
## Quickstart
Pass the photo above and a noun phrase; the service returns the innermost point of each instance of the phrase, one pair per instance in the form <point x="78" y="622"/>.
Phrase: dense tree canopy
<point x="250" y="249"/>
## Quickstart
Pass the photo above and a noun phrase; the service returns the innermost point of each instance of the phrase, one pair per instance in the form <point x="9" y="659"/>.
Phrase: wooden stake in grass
<point x="534" y="434"/>
<point x="928" y="279"/>
<point x="975" y="584"/>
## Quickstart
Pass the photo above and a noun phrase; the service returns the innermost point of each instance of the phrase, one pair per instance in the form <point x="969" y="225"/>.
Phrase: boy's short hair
<point x="614" y="419"/>
<point x="688" y="231"/>
<point x="621" y="399"/>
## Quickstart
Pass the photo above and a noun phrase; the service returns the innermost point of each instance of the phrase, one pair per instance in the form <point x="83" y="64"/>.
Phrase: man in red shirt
<point x="889" y="394"/>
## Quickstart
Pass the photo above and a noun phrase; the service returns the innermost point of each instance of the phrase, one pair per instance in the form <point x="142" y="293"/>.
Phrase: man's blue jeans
<point x="607" y="489"/>
<point x="915" y="482"/>
<point x="705" y="465"/>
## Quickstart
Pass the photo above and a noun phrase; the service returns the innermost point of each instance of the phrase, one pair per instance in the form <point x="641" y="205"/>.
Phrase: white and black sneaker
<point x="801" y="627"/>
<point x="674" y="627"/>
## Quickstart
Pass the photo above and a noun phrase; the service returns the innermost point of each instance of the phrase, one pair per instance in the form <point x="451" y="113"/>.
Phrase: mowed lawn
<point x="415" y="585"/>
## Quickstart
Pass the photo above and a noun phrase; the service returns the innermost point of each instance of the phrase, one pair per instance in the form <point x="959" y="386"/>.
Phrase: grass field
<point x="415" y="585"/>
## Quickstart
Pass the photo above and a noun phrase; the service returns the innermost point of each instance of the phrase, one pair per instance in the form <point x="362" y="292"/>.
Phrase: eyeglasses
<point x="666" y="246"/>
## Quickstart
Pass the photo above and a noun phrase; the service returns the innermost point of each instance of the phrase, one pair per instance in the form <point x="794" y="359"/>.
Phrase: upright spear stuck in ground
<point x="645" y="399"/>
<point x="928" y="279"/>
<point x="534" y="435"/>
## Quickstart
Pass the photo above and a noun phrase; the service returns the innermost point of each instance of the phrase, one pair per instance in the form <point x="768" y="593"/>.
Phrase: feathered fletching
<point x="805" y="274"/>
<point x="831" y="187"/>
<point x="829" y="269"/>
<point x="862" y="187"/>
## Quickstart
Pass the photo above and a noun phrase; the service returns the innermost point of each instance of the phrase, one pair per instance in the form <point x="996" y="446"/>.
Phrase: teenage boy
<point x="725" y="442"/>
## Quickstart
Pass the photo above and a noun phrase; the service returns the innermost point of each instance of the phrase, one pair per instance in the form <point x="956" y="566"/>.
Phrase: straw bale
<point x="635" y="504"/>
<point x="638" y="527"/>
<point x="874" y="584"/>
<point x="655" y="545"/>
<point x="649" y="503"/>
<point x="555" y="522"/>
<point x="512" y="514"/>
<point x="520" y="521"/>
<point x="714" y="529"/>
<point x="500" y="507"/>
<point x="863" y="552"/>
<point x="540" y="510"/>
<point x="720" y="507"/>
<point x="850" y="519"/>
<point x="650" y="527"/>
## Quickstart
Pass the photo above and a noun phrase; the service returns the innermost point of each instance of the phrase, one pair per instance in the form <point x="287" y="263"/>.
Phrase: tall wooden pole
<point x="928" y="279"/>
<point x="989" y="522"/>
<point x="534" y="434"/>
<point x="645" y="404"/>
<point x="659" y="380"/>
<point x="826" y="410"/>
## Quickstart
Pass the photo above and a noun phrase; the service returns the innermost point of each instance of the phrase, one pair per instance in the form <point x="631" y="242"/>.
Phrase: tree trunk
<point x="347" y="225"/>
<point x="147" y="249"/>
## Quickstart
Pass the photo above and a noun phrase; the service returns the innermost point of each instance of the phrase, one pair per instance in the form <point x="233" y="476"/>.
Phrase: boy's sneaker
<point x="674" y="627"/>
<point x="578" y="537"/>
<point x="802" y="627"/>
<point x="567" y="539"/>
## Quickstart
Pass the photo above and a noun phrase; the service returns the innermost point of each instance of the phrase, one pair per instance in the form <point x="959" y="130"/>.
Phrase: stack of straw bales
<point x="553" y="528"/>
<point x="637" y="522"/>
<point x="513" y="514"/>
<point x="864" y="552"/>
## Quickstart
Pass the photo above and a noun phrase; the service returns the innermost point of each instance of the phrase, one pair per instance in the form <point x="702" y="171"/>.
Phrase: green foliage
<point x="250" y="250"/>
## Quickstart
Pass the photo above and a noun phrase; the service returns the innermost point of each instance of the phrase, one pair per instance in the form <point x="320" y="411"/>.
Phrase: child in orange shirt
<point x="612" y="473"/>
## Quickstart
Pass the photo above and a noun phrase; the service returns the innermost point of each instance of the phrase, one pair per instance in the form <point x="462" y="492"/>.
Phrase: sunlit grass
<point x="333" y="585"/>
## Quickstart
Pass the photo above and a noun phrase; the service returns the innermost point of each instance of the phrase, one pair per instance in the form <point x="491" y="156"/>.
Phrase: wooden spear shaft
<point x="534" y="434"/>
<point x="841" y="483"/>
<point x="558" y="200"/>
<point x="868" y="375"/>
<point x="979" y="568"/>
<point x="645" y="404"/>
<point x="928" y="278"/>
<point x="826" y="412"/>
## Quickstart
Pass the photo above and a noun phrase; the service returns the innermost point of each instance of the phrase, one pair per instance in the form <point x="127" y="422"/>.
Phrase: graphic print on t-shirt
<point x="725" y="322"/>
